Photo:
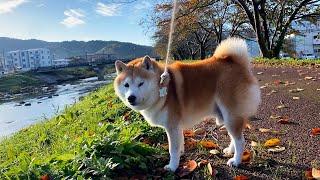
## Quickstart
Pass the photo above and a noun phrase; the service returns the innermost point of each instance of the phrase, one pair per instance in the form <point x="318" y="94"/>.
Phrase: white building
<point x="61" y="62"/>
<point x="307" y="42"/>
<point x="2" y="70"/>
<point x="25" y="60"/>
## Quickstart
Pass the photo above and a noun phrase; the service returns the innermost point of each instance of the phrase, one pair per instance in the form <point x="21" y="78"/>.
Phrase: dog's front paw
<point x="232" y="162"/>
<point x="170" y="168"/>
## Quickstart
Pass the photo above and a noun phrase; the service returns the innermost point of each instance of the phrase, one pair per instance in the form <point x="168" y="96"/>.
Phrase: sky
<point x="61" y="20"/>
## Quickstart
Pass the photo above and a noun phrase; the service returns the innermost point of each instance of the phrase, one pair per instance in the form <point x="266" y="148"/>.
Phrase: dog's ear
<point x="120" y="66"/>
<point x="147" y="63"/>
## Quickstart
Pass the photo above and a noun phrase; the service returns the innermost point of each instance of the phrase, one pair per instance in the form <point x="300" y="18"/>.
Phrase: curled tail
<point x="235" y="48"/>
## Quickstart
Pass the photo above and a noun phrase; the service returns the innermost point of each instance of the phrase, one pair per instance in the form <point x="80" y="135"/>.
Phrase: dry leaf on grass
<point x="254" y="144"/>
<point x="281" y="106"/>
<point x="212" y="171"/>
<point x="295" y="97"/>
<point x="296" y="90"/>
<point x="308" y="78"/>
<point x="259" y="73"/>
<point x="187" y="168"/>
<point x="276" y="149"/>
<point x="315" y="131"/>
<point x="165" y="146"/>
<point x="275" y="117"/>
<point x="203" y="162"/>
<point x="271" y="92"/>
<point x="208" y="144"/>
<point x="241" y="177"/>
<point x="45" y="177"/>
<point x="190" y="144"/>
<point x="262" y="87"/>
<point x="214" y="151"/>
<point x="264" y="130"/>
<point x="246" y="156"/>
<point x="272" y="142"/>
<point x="200" y="131"/>
<point x="188" y="133"/>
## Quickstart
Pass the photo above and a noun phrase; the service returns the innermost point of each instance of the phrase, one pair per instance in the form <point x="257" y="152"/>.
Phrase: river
<point x="15" y="116"/>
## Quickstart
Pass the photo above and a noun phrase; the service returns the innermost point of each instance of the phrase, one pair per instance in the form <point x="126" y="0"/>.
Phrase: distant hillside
<point x="74" y="48"/>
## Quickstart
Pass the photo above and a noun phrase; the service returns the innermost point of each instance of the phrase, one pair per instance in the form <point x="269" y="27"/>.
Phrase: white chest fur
<point x="155" y="117"/>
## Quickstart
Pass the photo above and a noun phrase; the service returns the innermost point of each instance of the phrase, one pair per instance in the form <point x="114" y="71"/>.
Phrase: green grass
<point x="98" y="137"/>
<point x="16" y="82"/>
<point x="287" y="62"/>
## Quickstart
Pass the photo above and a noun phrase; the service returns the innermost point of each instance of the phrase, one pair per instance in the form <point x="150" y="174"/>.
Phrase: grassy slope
<point x="15" y="82"/>
<point x="86" y="140"/>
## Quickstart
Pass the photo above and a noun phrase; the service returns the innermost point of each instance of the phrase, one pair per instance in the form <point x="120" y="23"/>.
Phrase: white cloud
<point x="143" y="5"/>
<point x="107" y="10"/>
<point x="7" y="6"/>
<point x="74" y="18"/>
<point x="41" y="5"/>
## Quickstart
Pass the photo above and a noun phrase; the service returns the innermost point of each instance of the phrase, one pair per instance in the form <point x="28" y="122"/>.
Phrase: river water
<point x="14" y="117"/>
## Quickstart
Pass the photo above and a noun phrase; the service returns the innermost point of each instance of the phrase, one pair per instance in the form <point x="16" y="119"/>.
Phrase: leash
<point x="165" y="77"/>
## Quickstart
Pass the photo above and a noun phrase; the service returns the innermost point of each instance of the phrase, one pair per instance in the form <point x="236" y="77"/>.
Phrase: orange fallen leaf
<point x="188" y="133"/>
<point x="208" y="144"/>
<point x="187" y="168"/>
<point x="200" y="131"/>
<point x="315" y="131"/>
<point x="45" y="177"/>
<point x="246" y="156"/>
<point x="308" y="174"/>
<point x="190" y="144"/>
<point x="272" y="142"/>
<point x="241" y="177"/>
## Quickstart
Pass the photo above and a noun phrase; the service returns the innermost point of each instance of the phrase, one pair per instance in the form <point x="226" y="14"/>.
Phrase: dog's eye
<point x="140" y="84"/>
<point x="126" y="85"/>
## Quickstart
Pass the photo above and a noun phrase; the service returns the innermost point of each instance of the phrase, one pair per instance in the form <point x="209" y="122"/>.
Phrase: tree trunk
<point x="202" y="52"/>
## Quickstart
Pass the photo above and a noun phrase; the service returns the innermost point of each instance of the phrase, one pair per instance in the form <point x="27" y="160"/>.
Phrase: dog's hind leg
<point x="218" y="115"/>
<point x="176" y="141"/>
<point x="235" y="127"/>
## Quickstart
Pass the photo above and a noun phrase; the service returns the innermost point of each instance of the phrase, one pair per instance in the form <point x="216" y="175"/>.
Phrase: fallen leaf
<point x="188" y="133"/>
<point x="147" y="141"/>
<point x="246" y="156"/>
<point x="272" y="142"/>
<point x="296" y="90"/>
<point x="203" y="162"/>
<point x="275" y="75"/>
<point x="295" y="98"/>
<point x="200" y="131"/>
<point x="316" y="173"/>
<point x="318" y="89"/>
<point x="190" y="144"/>
<point x="272" y="91"/>
<point x="284" y="120"/>
<point x="212" y="172"/>
<point x="308" y="174"/>
<point x="187" y="168"/>
<point x="308" y="78"/>
<point x="281" y="106"/>
<point x="275" y="117"/>
<point x="208" y="144"/>
<point x="264" y="130"/>
<point x="315" y="131"/>
<point x="259" y="73"/>
<point x="165" y="146"/>
<point x="262" y="87"/>
<point x="254" y="144"/>
<point x="241" y="177"/>
<point x="214" y="151"/>
<point x="45" y="177"/>
<point x="276" y="149"/>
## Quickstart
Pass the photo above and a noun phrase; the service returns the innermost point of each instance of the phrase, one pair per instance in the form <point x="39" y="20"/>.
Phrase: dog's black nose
<point x="132" y="99"/>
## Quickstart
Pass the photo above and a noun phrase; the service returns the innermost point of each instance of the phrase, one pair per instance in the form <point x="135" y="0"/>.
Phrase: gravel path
<point x="302" y="109"/>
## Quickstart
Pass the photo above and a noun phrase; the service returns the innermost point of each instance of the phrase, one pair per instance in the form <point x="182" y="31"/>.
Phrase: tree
<point x="272" y="19"/>
<point x="200" y="25"/>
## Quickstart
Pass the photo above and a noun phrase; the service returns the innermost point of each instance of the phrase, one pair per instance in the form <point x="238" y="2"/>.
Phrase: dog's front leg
<point x="175" y="139"/>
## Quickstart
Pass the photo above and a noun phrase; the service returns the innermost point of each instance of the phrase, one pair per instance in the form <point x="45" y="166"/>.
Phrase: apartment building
<point x="25" y="60"/>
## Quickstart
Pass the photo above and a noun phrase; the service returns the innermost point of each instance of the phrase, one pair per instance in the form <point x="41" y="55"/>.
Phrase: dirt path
<point x="303" y="113"/>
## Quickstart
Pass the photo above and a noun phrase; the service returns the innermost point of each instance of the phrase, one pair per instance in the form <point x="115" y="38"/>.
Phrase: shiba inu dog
<point x="222" y="86"/>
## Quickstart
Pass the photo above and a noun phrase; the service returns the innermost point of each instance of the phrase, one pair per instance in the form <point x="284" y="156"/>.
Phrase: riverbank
<point x="17" y="86"/>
